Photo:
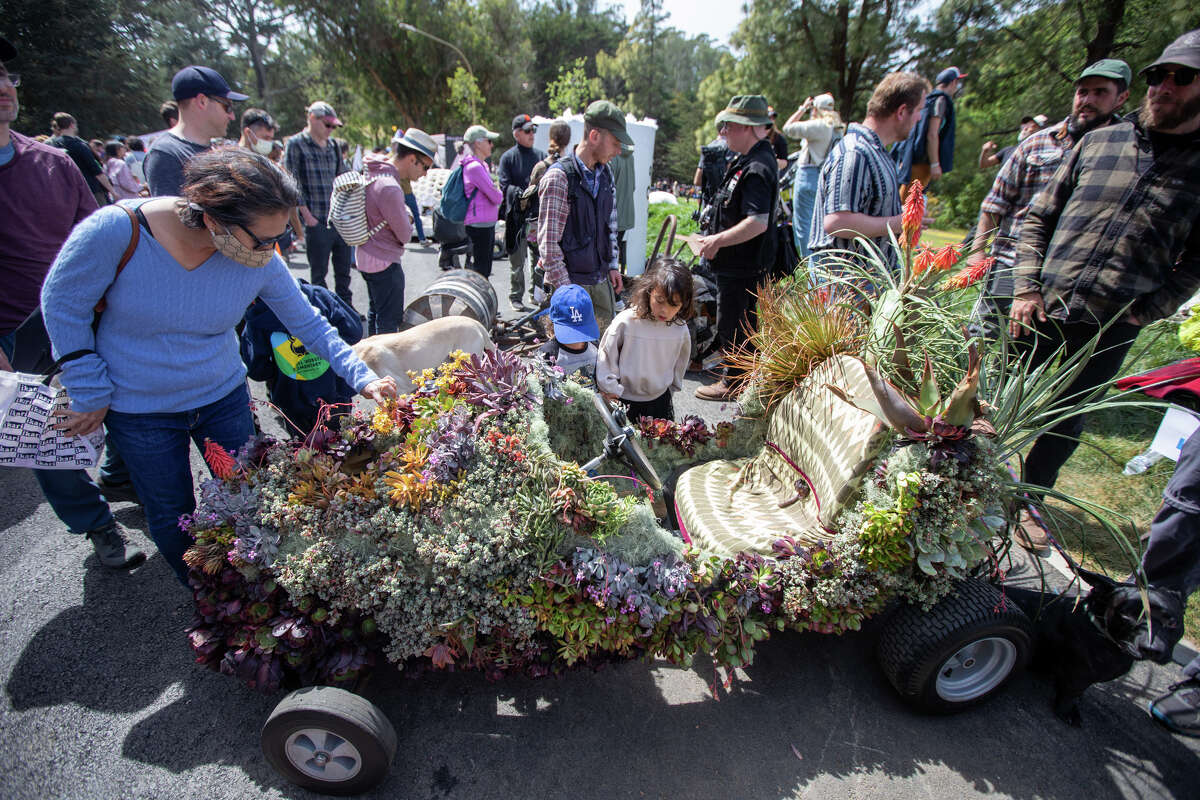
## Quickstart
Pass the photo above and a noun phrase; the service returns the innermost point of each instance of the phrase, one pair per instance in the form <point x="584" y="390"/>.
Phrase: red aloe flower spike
<point x="947" y="257"/>
<point x="219" y="461"/>
<point x="914" y="213"/>
<point x="923" y="261"/>
<point x="970" y="275"/>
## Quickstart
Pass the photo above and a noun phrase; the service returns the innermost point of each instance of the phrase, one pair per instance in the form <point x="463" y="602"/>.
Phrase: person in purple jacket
<point x="484" y="197"/>
<point x="379" y="259"/>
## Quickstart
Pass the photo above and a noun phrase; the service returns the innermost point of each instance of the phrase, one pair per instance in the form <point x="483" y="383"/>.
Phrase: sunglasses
<point x="425" y="165"/>
<point x="224" y="102"/>
<point x="263" y="244"/>
<point x="13" y="79"/>
<point x="1182" y="76"/>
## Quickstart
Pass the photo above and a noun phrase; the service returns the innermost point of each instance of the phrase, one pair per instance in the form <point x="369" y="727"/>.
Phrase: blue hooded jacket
<point x="297" y="380"/>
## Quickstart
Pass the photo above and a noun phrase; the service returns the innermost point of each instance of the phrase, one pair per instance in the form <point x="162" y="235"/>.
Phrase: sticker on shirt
<point x="294" y="360"/>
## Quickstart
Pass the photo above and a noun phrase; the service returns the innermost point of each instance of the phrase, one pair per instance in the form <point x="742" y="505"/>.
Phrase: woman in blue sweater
<point x="162" y="368"/>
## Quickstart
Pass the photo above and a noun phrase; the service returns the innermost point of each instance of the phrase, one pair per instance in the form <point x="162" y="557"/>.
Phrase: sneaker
<point x="1030" y="534"/>
<point x="716" y="391"/>
<point x="111" y="548"/>
<point x="118" y="492"/>
<point x="518" y="305"/>
<point x="1179" y="709"/>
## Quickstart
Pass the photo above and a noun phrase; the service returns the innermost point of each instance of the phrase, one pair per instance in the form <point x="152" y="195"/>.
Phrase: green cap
<point x="1112" y="68"/>
<point x="746" y="109"/>
<point x="603" y="114"/>
<point x="477" y="132"/>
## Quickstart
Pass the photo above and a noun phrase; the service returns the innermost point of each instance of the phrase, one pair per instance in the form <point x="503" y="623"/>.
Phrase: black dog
<point x="1096" y="639"/>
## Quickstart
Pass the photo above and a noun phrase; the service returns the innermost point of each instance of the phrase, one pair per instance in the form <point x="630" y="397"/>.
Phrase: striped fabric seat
<point x="815" y="439"/>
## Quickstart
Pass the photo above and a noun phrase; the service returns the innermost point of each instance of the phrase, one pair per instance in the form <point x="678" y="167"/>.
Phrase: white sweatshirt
<point x="641" y="358"/>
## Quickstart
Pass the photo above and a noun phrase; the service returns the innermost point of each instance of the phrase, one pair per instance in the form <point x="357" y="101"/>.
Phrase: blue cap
<point x="191" y="81"/>
<point x="949" y="74"/>
<point x="572" y="315"/>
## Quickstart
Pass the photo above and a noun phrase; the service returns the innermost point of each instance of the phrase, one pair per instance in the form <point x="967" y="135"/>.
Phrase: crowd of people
<point x="1091" y="222"/>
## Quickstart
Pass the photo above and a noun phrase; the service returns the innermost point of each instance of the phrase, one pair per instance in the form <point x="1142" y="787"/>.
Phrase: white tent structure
<point x="642" y="132"/>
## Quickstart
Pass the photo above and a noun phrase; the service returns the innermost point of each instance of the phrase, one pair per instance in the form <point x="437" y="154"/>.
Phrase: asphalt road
<point x="101" y="699"/>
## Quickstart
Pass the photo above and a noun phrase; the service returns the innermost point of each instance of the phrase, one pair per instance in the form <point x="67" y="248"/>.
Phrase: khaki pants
<point x="603" y="303"/>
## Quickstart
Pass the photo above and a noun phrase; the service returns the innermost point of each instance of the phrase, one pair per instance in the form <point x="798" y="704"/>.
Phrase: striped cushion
<point x="732" y="506"/>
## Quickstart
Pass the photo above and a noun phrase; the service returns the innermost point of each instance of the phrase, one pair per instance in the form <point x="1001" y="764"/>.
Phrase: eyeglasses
<point x="224" y="102"/>
<point x="328" y="125"/>
<point x="1182" y="76"/>
<point x="425" y="165"/>
<point x="12" y="79"/>
<point x="263" y="244"/>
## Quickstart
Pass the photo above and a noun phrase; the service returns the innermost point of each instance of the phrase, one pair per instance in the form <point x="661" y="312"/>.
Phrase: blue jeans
<point x="804" y="193"/>
<point x="157" y="450"/>
<point x="385" y="293"/>
<point x="410" y="200"/>
<point x="71" y="493"/>
<point x="321" y="242"/>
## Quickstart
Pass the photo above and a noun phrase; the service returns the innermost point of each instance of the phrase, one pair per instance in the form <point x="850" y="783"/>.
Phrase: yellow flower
<point x="381" y="420"/>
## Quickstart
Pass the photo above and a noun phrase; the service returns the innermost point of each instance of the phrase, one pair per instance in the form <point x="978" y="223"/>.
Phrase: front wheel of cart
<point x="957" y="654"/>
<point x="329" y="740"/>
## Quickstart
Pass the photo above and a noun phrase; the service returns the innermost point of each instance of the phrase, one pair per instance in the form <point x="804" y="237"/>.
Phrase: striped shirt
<point x="314" y="168"/>
<point x="858" y="176"/>
<point x="1118" y="223"/>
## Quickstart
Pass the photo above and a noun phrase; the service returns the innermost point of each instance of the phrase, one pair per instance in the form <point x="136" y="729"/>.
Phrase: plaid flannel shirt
<point x="1117" y="224"/>
<point x="314" y="169"/>
<point x="553" y="210"/>
<point x="1025" y="173"/>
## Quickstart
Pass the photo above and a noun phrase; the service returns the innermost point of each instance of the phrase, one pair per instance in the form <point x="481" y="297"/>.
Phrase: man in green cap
<point x="739" y="240"/>
<point x="1112" y="243"/>
<point x="577" y="216"/>
<point x="1100" y="91"/>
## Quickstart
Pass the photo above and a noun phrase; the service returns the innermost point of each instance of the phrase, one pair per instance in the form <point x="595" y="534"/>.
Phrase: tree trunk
<point x="1109" y="14"/>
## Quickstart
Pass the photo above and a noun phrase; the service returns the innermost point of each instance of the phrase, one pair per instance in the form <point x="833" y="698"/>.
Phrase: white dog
<point x="423" y="347"/>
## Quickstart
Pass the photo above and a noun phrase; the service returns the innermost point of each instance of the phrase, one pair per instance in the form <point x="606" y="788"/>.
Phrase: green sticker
<point x="294" y="360"/>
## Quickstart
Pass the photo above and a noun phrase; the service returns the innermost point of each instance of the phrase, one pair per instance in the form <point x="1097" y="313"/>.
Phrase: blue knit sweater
<point x="166" y="341"/>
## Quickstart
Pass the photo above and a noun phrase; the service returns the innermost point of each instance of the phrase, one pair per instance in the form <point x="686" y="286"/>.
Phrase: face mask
<point x="228" y="245"/>
<point x="263" y="146"/>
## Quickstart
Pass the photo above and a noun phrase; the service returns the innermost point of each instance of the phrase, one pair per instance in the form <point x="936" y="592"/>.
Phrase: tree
<point x="252" y="26"/>
<point x="572" y="89"/>
<point x="561" y="31"/>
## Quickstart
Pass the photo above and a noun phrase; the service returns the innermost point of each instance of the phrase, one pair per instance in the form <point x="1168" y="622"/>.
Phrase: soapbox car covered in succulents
<point x="504" y="518"/>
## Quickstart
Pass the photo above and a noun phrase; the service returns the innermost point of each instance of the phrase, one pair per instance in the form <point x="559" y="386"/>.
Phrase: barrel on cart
<point x="460" y="292"/>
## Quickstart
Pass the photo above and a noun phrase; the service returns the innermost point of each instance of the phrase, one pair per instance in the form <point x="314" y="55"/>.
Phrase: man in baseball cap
<point x="930" y="145"/>
<point x="314" y="160"/>
<point x="205" y="111"/>
<point x="515" y="167"/>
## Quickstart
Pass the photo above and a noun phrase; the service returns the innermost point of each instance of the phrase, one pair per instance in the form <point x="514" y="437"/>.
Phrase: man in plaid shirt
<point x="1100" y="90"/>
<point x="314" y="161"/>
<point x="1113" y="239"/>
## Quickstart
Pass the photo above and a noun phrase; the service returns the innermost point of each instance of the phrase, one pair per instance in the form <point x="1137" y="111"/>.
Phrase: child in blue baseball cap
<point x="573" y="348"/>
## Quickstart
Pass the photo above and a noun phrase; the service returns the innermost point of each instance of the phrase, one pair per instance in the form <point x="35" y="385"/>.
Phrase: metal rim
<point x="976" y="669"/>
<point x="323" y="755"/>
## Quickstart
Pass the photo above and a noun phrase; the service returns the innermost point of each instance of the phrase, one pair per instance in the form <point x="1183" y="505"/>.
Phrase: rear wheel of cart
<point x="329" y="740"/>
<point x="960" y="652"/>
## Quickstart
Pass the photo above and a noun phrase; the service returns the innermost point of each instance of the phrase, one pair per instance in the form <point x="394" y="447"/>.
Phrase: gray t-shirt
<point x="164" y="164"/>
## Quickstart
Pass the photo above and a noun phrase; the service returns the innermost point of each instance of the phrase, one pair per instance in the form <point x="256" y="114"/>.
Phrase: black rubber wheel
<point x="959" y="653"/>
<point x="329" y="740"/>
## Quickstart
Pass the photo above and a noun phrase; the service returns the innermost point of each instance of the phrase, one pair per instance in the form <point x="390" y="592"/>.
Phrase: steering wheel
<point x="621" y="443"/>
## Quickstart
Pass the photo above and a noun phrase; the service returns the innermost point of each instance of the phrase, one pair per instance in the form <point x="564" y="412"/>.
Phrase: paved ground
<point x="101" y="700"/>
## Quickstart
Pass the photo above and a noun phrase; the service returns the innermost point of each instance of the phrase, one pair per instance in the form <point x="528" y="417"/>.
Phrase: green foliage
<point x="571" y="89"/>
<point x="465" y="97"/>
<point x="885" y="529"/>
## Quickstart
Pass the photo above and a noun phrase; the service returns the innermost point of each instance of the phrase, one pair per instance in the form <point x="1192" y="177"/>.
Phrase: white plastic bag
<point x="27" y="434"/>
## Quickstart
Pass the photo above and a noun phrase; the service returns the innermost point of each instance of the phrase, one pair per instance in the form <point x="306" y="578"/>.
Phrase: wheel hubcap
<point x="323" y="755"/>
<point x="976" y="669"/>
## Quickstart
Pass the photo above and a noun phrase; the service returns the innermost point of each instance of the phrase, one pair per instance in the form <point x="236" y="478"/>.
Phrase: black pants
<point x="660" y="407"/>
<point x="737" y="314"/>
<point x="481" y="247"/>
<point x="1171" y="559"/>
<point x="1053" y="448"/>
<point x="321" y="242"/>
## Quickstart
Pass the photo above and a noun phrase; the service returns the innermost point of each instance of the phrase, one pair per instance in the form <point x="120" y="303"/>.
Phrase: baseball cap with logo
<point x="191" y="81"/>
<point x="323" y="110"/>
<point x="572" y="315"/>
<point x="524" y="122"/>
<point x="949" y="74"/>
<point x="606" y="116"/>
<point x="417" y="139"/>
<point x="1184" y="51"/>
<point x="1112" y="68"/>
